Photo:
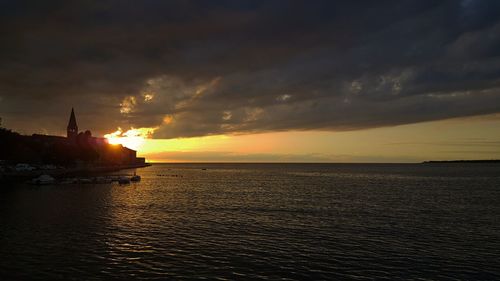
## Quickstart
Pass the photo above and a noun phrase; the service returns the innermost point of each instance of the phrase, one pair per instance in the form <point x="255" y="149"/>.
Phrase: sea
<point x="259" y="222"/>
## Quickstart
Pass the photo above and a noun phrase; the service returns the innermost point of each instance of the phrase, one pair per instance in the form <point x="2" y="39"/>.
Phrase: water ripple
<point x="269" y="222"/>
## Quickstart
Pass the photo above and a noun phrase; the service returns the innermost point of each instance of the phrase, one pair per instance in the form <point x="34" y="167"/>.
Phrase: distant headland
<point x="462" y="161"/>
<point x="77" y="152"/>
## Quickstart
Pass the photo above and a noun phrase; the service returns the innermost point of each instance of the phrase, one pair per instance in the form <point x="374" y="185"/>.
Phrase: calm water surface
<point x="259" y="221"/>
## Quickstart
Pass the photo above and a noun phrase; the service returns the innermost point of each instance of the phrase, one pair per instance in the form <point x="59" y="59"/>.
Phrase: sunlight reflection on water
<point x="259" y="221"/>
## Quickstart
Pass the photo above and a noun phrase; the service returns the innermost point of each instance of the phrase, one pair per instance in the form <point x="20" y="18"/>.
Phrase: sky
<point x="260" y="81"/>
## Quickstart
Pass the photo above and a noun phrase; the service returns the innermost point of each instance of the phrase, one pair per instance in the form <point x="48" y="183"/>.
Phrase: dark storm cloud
<point x="196" y="68"/>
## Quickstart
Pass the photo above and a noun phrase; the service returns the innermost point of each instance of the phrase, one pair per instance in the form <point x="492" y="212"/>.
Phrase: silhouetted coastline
<point x="23" y="156"/>
<point x="461" y="161"/>
<point x="66" y="172"/>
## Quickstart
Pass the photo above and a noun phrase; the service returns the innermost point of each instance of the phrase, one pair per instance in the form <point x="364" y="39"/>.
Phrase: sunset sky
<point x="260" y="81"/>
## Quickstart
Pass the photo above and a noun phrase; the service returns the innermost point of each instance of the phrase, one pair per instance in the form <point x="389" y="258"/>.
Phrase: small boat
<point x="69" y="181"/>
<point x="135" y="178"/>
<point x="103" y="180"/>
<point x="115" y="178"/>
<point x="43" y="180"/>
<point x="85" y="181"/>
<point x="124" y="180"/>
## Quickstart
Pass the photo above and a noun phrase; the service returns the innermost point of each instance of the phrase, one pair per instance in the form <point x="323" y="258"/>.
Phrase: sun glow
<point x="133" y="138"/>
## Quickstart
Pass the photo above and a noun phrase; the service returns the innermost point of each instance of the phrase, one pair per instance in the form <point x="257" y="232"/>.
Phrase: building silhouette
<point x="72" y="129"/>
<point x="77" y="148"/>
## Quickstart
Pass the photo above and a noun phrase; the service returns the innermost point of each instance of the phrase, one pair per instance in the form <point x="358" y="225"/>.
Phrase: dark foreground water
<point x="255" y="221"/>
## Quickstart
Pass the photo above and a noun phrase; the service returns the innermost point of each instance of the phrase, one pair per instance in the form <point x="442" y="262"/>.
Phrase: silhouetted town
<point x="77" y="149"/>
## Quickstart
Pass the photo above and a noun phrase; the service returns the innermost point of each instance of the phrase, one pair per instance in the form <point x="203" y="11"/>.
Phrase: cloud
<point x="222" y="67"/>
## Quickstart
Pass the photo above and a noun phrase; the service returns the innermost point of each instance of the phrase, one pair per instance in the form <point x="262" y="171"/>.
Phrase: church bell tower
<point x="72" y="130"/>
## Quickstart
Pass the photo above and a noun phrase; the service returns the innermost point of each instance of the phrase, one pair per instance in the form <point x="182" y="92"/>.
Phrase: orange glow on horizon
<point x="444" y="140"/>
